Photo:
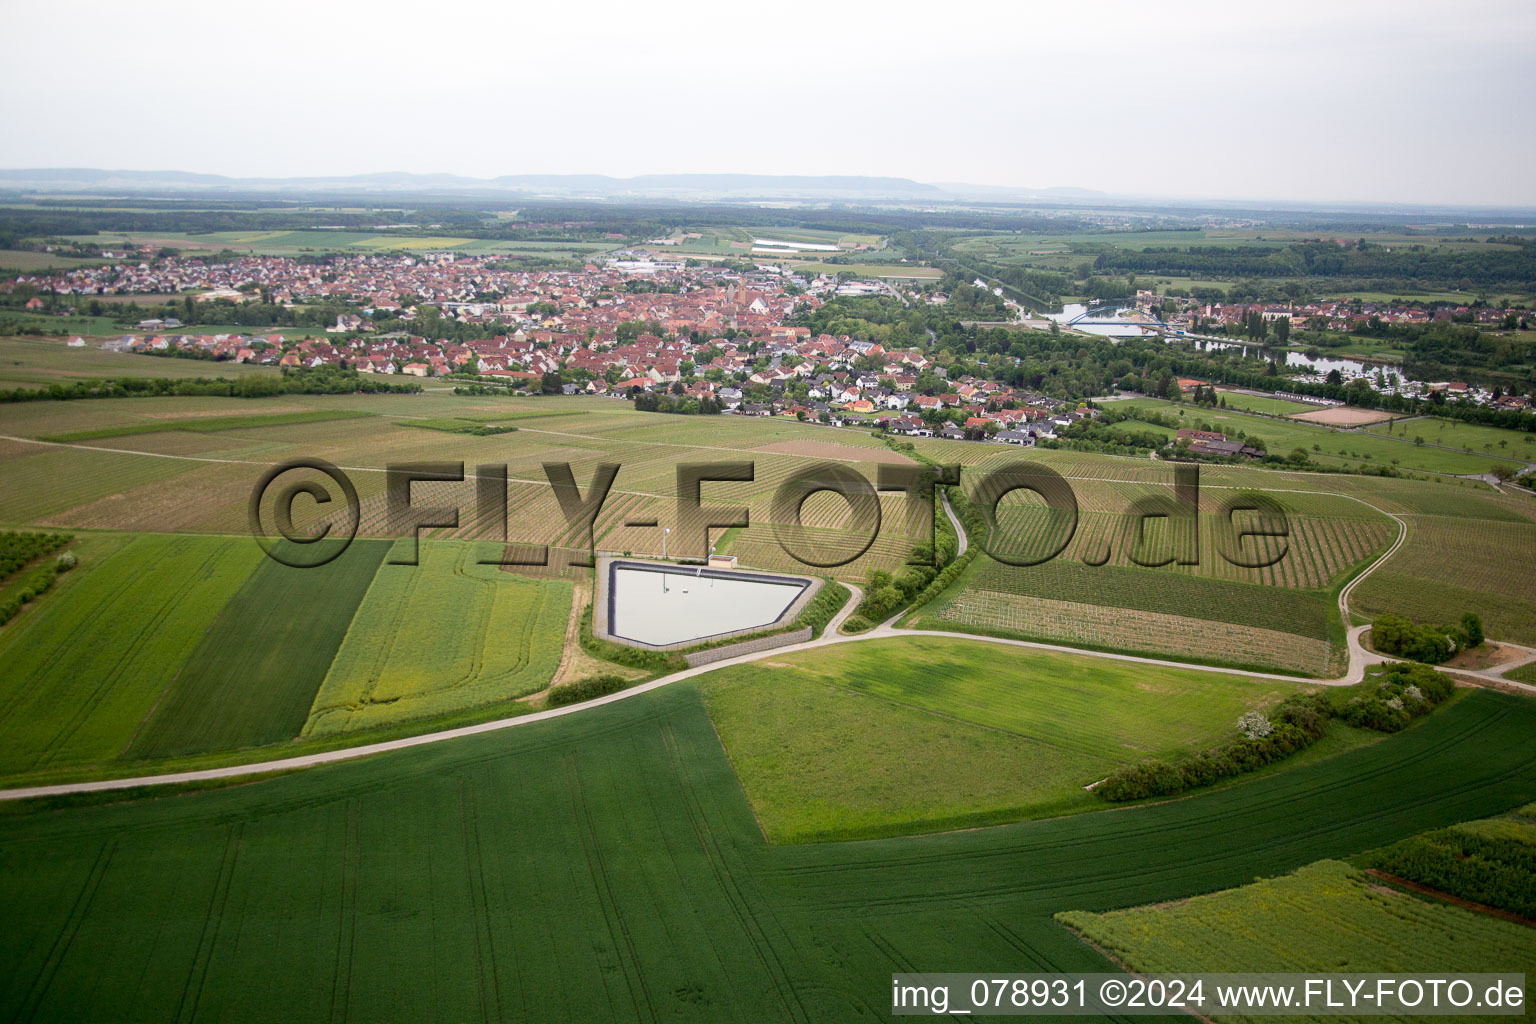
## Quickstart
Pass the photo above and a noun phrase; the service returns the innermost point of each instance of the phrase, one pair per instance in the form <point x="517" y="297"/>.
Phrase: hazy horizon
<point x="1187" y="101"/>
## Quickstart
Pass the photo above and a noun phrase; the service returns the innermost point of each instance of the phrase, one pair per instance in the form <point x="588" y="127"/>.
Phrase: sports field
<point x="1262" y="403"/>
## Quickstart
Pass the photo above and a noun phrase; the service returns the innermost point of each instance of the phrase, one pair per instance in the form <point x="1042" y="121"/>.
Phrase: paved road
<point x="1359" y="658"/>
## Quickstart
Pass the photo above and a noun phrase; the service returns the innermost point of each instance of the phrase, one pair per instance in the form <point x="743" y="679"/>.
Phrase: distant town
<point x="635" y="324"/>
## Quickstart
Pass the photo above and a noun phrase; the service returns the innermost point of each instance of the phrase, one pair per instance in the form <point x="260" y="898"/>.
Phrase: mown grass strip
<point x="209" y="424"/>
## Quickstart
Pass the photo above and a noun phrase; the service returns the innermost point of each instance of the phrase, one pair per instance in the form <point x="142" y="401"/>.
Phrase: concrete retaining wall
<point x="766" y="643"/>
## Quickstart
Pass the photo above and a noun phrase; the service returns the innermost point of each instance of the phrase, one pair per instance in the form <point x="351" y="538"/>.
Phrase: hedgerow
<point x="17" y="549"/>
<point x="1391" y="701"/>
<point x="585" y="689"/>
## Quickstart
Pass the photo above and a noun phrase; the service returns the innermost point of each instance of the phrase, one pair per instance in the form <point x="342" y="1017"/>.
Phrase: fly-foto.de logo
<point x="1250" y="528"/>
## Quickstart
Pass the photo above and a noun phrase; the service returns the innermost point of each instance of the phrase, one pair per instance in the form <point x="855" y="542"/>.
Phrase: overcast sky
<point x="1339" y="100"/>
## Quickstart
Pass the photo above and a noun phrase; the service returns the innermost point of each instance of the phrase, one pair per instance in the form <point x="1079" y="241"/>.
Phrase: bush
<point x="67" y="561"/>
<point x="1472" y="630"/>
<point x="1254" y="725"/>
<point x="1149" y="778"/>
<point x="585" y="689"/>
<point x="17" y="549"/>
<point x="1403" y="693"/>
<point x="827" y="602"/>
<point x="1392" y="634"/>
<point x="856" y="624"/>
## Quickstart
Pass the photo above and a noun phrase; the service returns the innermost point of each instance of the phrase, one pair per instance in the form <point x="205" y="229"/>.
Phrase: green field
<point x="916" y="734"/>
<point x="252" y="679"/>
<point x="1336" y="447"/>
<point x="914" y="272"/>
<point x="29" y="262"/>
<point x="605" y="867"/>
<point x="36" y="361"/>
<point x="1514" y="444"/>
<point x="209" y="424"/>
<point x="1065" y="252"/>
<point x="1264" y="404"/>
<point x="442" y="636"/>
<point x="74" y="692"/>
<point x="1327" y="916"/>
<point x="293" y="243"/>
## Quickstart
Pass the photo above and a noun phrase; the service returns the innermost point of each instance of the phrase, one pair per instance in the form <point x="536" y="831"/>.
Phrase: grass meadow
<point x="1333" y="447"/>
<point x="1472" y="437"/>
<point x="927" y="733"/>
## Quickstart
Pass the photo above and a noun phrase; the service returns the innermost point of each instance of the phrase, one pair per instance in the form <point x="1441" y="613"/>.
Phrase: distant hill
<point x="735" y="186"/>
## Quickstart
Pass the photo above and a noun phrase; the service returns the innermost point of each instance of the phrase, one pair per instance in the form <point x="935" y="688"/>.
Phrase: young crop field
<point x="605" y="866"/>
<point x="74" y="693"/>
<point x="442" y="636"/>
<point x="1450" y="566"/>
<point x="920" y="734"/>
<point x="1326" y="916"/>
<point x="253" y="677"/>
